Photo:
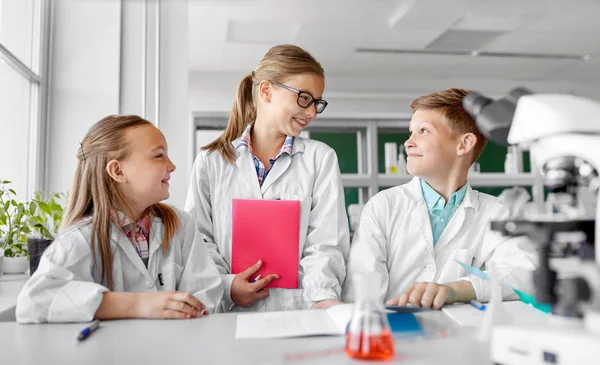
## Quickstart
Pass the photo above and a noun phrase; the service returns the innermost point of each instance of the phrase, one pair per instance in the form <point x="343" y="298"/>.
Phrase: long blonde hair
<point x="94" y="193"/>
<point x="279" y="63"/>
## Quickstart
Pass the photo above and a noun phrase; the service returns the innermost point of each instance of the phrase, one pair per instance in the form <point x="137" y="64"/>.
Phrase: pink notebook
<point x="267" y="230"/>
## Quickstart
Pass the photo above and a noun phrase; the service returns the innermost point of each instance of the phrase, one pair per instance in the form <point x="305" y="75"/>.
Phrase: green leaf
<point x="14" y="203"/>
<point x="55" y="206"/>
<point x="5" y="182"/>
<point x="45" y="207"/>
<point x="32" y="208"/>
<point x="12" y="191"/>
<point x="8" y="252"/>
<point x="46" y="233"/>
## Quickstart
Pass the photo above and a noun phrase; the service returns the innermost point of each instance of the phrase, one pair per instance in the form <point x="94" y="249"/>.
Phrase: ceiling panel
<point x="400" y="38"/>
<point x="511" y="68"/>
<point x="548" y="43"/>
<point x="401" y="64"/>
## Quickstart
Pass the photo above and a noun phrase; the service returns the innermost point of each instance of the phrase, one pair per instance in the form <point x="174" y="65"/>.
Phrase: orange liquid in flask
<point x="370" y="347"/>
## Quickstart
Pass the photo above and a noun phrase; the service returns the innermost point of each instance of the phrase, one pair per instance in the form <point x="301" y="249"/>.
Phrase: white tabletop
<point x="10" y="286"/>
<point x="211" y="340"/>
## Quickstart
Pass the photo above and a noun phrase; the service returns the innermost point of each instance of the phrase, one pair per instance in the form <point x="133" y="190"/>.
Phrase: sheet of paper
<point x="341" y="315"/>
<point x="467" y="316"/>
<point x="267" y="230"/>
<point x="464" y="314"/>
<point x="332" y="321"/>
<point x="285" y="324"/>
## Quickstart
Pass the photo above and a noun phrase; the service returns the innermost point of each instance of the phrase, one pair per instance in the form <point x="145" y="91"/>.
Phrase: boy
<point x="412" y="234"/>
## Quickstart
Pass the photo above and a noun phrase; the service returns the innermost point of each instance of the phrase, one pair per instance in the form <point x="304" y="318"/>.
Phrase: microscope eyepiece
<point x="493" y="117"/>
<point x="474" y="102"/>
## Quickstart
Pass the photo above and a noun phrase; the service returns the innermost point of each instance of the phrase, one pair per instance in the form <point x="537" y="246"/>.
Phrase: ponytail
<point x="243" y="113"/>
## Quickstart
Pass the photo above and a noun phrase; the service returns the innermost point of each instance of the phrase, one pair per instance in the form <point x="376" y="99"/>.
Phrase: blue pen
<point x="256" y="279"/>
<point x="86" y="332"/>
<point x="477" y="305"/>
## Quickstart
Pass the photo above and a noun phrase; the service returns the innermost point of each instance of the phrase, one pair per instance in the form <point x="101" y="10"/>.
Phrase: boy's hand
<point x="169" y="305"/>
<point x="244" y="292"/>
<point x="325" y="304"/>
<point x="429" y="295"/>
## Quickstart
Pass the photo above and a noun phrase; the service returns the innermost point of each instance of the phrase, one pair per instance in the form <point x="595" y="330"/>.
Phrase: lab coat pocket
<point x="169" y="277"/>
<point x="464" y="255"/>
<point x="305" y="206"/>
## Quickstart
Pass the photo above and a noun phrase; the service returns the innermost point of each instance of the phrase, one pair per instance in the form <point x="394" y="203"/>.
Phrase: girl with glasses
<point x="261" y="155"/>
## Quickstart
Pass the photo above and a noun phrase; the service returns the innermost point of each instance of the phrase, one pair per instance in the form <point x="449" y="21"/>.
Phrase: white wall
<point x="132" y="85"/>
<point x="94" y="75"/>
<point x="84" y="79"/>
<point x="175" y="117"/>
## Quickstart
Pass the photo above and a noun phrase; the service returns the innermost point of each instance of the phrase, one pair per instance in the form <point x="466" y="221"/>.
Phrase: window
<point x="15" y="100"/>
<point x="20" y="86"/>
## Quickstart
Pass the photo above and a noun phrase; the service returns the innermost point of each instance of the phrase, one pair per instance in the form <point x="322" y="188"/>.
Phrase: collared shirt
<point x="440" y="212"/>
<point x="142" y="233"/>
<point x="245" y="144"/>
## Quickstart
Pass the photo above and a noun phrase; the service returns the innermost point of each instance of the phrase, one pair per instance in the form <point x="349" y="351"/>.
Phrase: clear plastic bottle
<point x="508" y="163"/>
<point x="401" y="161"/>
<point x="368" y="336"/>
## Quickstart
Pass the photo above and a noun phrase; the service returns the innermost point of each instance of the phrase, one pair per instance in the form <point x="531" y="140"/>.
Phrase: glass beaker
<point x="368" y="335"/>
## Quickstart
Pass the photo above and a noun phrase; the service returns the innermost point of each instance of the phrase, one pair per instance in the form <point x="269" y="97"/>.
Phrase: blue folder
<point x="405" y="323"/>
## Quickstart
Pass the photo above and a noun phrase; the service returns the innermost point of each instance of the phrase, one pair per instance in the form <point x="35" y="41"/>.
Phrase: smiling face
<point x="146" y="168"/>
<point x="432" y="147"/>
<point x="286" y="116"/>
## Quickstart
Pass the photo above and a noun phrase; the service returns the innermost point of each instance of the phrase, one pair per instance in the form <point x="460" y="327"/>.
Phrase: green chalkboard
<point x="345" y="145"/>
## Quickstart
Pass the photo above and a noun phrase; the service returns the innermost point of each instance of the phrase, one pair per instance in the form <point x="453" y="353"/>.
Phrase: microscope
<point x="562" y="134"/>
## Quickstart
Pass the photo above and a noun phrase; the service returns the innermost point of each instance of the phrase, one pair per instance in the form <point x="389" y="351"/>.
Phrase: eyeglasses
<point x="305" y="99"/>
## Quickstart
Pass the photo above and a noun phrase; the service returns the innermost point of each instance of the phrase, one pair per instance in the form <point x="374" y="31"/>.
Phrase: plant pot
<point x="36" y="247"/>
<point x="14" y="265"/>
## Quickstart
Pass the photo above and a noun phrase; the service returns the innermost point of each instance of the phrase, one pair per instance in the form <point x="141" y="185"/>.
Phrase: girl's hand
<point x="244" y="292"/>
<point x="169" y="305"/>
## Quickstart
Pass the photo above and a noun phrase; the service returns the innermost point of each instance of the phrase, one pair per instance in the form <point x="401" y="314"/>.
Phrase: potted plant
<point x="44" y="214"/>
<point x="13" y="231"/>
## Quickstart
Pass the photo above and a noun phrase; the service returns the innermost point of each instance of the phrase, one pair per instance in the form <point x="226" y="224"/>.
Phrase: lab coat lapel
<point x="247" y="173"/>
<point x="458" y="220"/>
<point x="278" y="169"/>
<point x="156" y="238"/>
<point x="281" y="165"/>
<point x="422" y="216"/>
<point x="125" y="244"/>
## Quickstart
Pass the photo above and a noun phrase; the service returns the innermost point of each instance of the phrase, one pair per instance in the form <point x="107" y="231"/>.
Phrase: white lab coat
<point x="395" y="240"/>
<point x="311" y="175"/>
<point x="67" y="287"/>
